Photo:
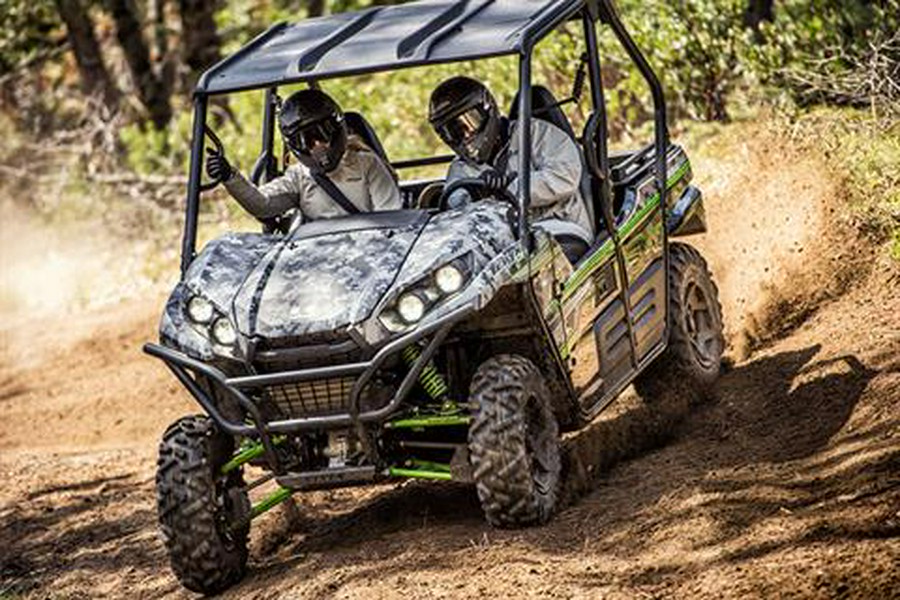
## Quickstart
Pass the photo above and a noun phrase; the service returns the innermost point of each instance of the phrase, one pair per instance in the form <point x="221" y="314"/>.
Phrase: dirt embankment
<point x="786" y="483"/>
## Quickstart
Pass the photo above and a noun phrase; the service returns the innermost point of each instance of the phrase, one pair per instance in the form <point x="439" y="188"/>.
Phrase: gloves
<point x="496" y="183"/>
<point x="217" y="166"/>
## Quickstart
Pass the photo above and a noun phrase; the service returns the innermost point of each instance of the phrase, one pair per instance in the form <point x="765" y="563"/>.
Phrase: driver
<point x="465" y="115"/>
<point x="337" y="174"/>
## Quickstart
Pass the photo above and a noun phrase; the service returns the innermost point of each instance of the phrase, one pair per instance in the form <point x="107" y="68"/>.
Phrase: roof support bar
<point x="265" y="166"/>
<point x="420" y="43"/>
<point x="189" y="241"/>
<point x="309" y="59"/>
<point x="609" y="15"/>
<point x="524" y="142"/>
<point x="599" y="106"/>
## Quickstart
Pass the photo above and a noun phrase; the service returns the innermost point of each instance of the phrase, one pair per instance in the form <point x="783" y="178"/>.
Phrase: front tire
<point x="198" y="506"/>
<point x="693" y="358"/>
<point x="514" y="442"/>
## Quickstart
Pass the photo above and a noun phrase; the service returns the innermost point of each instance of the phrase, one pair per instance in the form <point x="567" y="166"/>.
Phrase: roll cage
<point x="421" y="33"/>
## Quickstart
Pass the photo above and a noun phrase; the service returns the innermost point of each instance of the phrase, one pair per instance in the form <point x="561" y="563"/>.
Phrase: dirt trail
<point x="786" y="484"/>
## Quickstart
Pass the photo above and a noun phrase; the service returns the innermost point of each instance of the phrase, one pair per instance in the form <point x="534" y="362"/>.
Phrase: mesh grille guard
<point x="242" y="389"/>
<point x="311" y="398"/>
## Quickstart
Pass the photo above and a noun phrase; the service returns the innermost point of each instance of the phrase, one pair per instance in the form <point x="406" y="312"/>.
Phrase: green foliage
<point x="695" y="47"/>
<point x="150" y="150"/>
<point x="870" y="153"/>
<point x="832" y="51"/>
<point x="25" y="30"/>
<point x="244" y="19"/>
<point x="865" y="152"/>
<point x="699" y="48"/>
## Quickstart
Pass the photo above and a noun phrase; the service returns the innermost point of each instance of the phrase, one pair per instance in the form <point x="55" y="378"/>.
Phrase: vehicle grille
<point x="312" y="398"/>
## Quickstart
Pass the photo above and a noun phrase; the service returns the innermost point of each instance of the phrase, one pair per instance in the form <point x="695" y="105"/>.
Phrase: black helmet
<point x="308" y="117"/>
<point x="465" y="115"/>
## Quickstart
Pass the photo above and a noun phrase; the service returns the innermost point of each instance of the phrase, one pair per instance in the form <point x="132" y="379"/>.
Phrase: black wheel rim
<point x="700" y="324"/>
<point x="538" y="444"/>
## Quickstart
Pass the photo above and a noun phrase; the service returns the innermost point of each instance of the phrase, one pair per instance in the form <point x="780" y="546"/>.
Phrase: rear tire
<point x="692" y="360"/>
<point x="514" y="442"/>
<point x="197" y="505"/>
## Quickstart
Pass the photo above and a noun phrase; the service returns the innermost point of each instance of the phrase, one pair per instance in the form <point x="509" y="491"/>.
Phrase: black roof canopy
<point x="388" y="37"/>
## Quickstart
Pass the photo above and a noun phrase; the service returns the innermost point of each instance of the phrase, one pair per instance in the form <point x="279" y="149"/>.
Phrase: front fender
<point x="688" y="215"/>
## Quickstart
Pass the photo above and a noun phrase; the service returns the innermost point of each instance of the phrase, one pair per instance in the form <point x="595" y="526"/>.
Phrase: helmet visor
<point x="462" y="127"/>
<point x="323" y="132"/>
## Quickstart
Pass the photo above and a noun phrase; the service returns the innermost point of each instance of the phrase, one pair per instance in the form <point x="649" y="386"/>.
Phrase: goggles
<point x="321" y="132"/>
<point x="463" y="126"/>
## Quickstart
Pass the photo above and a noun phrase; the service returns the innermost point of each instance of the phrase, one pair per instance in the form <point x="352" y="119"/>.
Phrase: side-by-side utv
<point x="435" y="343"/>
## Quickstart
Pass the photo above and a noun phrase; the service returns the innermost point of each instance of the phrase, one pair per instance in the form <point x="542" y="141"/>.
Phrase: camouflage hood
<point x="329" y="274"/>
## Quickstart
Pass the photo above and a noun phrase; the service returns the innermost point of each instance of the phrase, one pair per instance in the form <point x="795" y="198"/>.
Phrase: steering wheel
<point x="476" y="187"/>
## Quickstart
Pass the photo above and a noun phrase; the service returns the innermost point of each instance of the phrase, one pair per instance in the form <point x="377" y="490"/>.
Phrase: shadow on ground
<point x="98" y="525"/>
<point x="772" y="440"/>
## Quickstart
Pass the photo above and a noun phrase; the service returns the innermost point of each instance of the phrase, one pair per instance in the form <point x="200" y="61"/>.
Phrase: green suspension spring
<point x="429" y="378"/>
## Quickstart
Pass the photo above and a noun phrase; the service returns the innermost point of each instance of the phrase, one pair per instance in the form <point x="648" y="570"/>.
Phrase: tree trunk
<point x="151" y="90"/>
<point x="166" y="59"/>
<point x="95" y="79"/>
<point x="757" y="12"/>
<point x="201" y="43"/>
<point x="315" y="8"/>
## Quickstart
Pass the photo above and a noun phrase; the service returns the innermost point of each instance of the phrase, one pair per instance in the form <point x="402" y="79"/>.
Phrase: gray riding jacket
<point x="361" y="175"/>
<point x="555" y="177"/>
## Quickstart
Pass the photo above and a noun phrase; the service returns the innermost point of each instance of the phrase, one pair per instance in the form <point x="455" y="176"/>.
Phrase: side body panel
<point x="598" y="349"/>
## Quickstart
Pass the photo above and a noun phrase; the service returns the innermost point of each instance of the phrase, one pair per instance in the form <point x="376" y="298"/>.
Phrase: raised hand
<point x="217" y="166"/>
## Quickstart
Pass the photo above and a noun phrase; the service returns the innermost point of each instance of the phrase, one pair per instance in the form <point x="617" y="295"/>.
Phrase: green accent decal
<point x="537" y="262"/>
<point x="554" y="305"/>
<point x="427" y="465"/>
<point x="588" y="268"/>
<point x="420" y="474"/>
<point x="639" y="216"/>
<point x="248" y="453"/>
<point x="596" y="259"/>
<point x="429" y="421"/>
<point x="270" y="501"/>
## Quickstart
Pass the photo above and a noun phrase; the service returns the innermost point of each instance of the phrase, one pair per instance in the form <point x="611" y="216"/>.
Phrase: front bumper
<point x="187" y="370"/>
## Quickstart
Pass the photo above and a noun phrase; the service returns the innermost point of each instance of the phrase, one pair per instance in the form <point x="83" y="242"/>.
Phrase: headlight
<point x="411" y="308"/>
<point x="223" y="332"/>
<point x="429" y="291"/>
<point x="200" y="310"/>
<point x="449" y="279"/>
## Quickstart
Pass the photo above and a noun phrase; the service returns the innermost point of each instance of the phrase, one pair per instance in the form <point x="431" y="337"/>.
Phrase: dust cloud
<point x="65" y="269"/>
<point x="765" y="246"/>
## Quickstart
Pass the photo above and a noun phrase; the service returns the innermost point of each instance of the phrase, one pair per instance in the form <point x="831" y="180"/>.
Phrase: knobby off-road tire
<point x="514" y="442"/>
<point x="692" y="360"/>
<point x="195" y="505"/>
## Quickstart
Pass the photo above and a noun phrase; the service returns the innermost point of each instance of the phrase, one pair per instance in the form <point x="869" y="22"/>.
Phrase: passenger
<point x="336" y="175"/>
<point x="465" y="115"/>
